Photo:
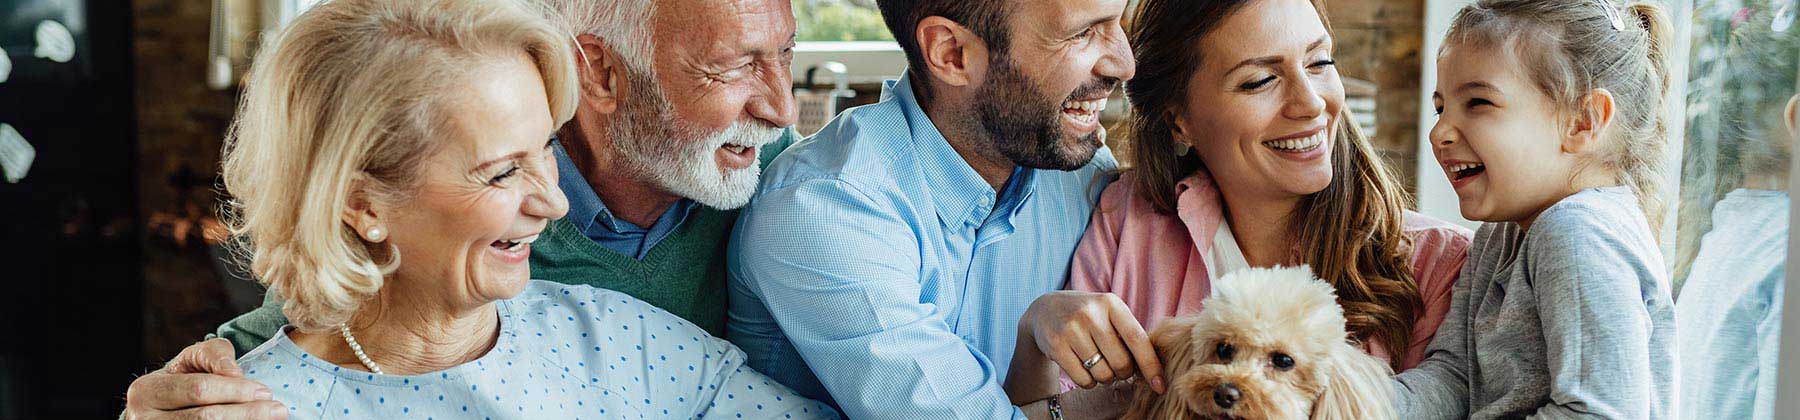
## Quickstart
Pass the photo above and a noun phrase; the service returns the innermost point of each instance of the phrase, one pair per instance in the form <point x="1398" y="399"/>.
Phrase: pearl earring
<point x="1181" y="149"/>
<point x="376" y="234"/>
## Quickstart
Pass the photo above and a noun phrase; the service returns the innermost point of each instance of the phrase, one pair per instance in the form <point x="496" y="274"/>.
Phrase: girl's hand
<point x="1071" y="327"/>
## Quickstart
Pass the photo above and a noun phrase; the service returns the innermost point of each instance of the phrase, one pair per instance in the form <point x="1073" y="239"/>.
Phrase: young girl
<point x="1551" y="129"/>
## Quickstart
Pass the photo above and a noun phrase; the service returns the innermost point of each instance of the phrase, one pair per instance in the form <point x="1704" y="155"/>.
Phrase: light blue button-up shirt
<point x="874" y="257"/>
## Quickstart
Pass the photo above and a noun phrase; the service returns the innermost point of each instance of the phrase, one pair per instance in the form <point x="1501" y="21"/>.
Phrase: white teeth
<point x="1298" y="145"/>
<point x="515" y="244"/>
<point x="1464" y="166"/>
<point x="1092" y="106"/>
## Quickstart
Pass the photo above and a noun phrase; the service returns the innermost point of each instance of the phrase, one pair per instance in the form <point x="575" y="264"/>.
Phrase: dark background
<point x="70" y="319"/>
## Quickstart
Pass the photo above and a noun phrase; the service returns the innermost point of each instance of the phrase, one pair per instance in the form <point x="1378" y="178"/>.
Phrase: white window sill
<point x="869" y="62"/>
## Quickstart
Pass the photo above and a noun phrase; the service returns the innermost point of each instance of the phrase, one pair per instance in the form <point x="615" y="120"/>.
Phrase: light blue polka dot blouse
<point x="565" y="352"/>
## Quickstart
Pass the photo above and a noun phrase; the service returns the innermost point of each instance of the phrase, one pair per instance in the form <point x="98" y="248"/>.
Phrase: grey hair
<point x="623" y="24"/>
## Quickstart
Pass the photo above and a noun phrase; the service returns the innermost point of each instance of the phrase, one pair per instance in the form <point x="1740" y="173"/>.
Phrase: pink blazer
<point x="1153" y="261"/>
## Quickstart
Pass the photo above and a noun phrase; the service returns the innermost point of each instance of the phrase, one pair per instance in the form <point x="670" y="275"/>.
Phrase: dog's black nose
<point x="1226" y="395"/>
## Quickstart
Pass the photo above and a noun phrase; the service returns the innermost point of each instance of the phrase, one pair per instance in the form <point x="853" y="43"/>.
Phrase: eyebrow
<point x="503" y="159"/>
<point x="1475" y="85"/>
<point x="758" y="51"/>
<point x="1276" y="59"/>
<point x="516" y="155"/>
<point x="1096" y="21"/>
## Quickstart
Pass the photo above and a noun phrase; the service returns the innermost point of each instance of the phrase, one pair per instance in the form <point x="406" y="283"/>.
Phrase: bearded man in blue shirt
<point x="885" y="262"/>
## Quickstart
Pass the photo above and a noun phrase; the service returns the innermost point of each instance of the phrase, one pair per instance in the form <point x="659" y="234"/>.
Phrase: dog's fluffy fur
<point x="1260" y="315"/>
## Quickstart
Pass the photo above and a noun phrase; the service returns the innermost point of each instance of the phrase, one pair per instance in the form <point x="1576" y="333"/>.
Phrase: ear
<point x="1174" y="336"/>
<point x="602" y="72"/>
<point x="1174" y="345"/>
<point x="1358" y="386"/>
<point x="361" y="213"/>
<point x="1591" y="120"/>
<point x="1143" y="403"/>
<point x="953" y="54"/>
<point x="1177" y="125"/>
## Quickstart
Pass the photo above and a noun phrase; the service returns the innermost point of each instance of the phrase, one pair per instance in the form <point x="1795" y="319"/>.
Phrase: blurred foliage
<point x="840" y="20"/>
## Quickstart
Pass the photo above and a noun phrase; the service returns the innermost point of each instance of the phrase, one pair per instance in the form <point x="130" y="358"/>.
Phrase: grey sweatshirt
<point x="1569" y="320"/>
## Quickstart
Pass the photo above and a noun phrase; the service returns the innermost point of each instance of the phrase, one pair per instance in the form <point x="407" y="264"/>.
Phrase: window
<point x="1731" y="233"/>
<point x="840" y="21"/>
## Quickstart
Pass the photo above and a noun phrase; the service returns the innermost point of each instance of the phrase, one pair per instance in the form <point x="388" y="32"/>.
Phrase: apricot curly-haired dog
<point x="1269" y="344"/>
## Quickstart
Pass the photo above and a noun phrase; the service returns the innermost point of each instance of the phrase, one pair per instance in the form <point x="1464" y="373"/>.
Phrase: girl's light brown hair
<point x="344" y="104"/>
<point x="1571" y="48"/>
<point x="1350" y="232"/>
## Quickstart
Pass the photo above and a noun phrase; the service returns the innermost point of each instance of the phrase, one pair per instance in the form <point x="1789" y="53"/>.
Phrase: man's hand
<point x="203" y="382"/>
<point x="1070" y="327"/>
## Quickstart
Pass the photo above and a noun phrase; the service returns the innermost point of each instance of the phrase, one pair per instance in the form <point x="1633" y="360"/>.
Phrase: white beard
<point x="652" y="145"/>
<point x="694" y="172"/>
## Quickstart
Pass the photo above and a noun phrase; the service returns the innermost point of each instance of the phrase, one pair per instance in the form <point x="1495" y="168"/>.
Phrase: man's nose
<point x="776" y="104"/>
<point x="1117" y="62"/>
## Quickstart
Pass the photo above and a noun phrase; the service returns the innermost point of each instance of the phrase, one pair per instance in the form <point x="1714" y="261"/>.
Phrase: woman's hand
<point x="1071" y="327"/>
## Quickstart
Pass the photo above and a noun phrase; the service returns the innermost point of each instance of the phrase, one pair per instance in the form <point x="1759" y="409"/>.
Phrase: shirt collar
<point x="959" y="193"/>
<point x="587" y="212"/>
<point x="1198" y="205"/>
<point x="584" y="203"/>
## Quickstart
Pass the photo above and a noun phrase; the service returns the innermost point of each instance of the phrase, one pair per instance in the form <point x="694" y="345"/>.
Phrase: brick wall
<point x="181" y="125"/>
<point x="1380" y="41"/>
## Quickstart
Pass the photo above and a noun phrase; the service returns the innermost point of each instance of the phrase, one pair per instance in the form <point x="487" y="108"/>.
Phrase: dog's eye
<point x="1281" y="361"/>
<point x="1225" y="351"/>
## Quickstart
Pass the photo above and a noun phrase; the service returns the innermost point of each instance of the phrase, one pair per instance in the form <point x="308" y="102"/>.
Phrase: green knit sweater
<point x="683" y="274"/>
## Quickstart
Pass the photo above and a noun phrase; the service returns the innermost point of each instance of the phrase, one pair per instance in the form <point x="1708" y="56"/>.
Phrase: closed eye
<point x="1475" y="102"/>
<point x="510" y="171"/>
<point x="1257" y="84"/>
<point x="1085" y="33"/>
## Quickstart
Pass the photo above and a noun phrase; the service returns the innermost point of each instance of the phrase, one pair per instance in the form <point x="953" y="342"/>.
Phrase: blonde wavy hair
<point x="343" y="105"/>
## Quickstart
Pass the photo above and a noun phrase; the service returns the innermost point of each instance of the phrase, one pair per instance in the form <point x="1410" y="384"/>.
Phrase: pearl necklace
<point x="363" y="357"/>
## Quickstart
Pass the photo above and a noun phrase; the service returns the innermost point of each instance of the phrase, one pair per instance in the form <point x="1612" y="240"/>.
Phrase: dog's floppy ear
<point x="1358" y="386"/>
<point x="1173" y="339"/>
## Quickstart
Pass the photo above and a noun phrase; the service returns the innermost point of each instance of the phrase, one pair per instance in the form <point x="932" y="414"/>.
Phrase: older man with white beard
<point x="682" y="102"/>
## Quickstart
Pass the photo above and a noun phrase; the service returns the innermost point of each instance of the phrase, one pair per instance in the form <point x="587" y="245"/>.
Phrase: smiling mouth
<point x="1086" y="112"/>
<point x="1299" y="145"/>
<point x="1462" y="171"/>
<point x="514" y="244"/>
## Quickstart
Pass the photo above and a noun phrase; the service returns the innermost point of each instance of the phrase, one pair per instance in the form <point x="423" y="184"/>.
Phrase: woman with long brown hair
<point x="1243" y="155"/>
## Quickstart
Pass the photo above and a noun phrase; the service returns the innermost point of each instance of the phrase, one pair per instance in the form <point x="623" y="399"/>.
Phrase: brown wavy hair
<point x="1353" y="236"/>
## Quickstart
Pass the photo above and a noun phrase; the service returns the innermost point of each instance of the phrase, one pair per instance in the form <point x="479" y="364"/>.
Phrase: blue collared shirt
<point x="874" y="256"/>
<point x="596" y="222"/>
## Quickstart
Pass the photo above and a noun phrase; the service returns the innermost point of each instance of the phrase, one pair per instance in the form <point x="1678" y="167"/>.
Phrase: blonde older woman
<point x="391" y="167"/>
